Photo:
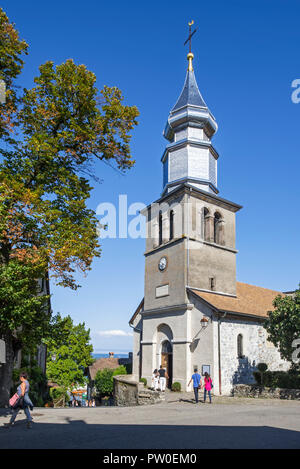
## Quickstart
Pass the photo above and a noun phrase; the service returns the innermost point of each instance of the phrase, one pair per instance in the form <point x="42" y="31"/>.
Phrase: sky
<point x="246" y="59"/>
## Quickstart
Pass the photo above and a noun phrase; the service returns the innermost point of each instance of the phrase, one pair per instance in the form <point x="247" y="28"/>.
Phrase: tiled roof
<point x="102" y="363"/>
<point x="250" y="300"/>
<point x="190" y="93"/>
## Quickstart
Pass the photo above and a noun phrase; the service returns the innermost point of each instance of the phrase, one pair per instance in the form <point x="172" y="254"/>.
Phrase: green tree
<point x="283" y="325"/>
<point x="69" y="352"/>
<point x="104" y="382"/>
<point x="62" y="126"/>
<point x="12" y="49"/>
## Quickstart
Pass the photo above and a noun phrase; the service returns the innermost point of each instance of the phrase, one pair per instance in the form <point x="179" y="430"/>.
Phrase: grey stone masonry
<point x="244" y="390"/>
<point x="129" y="392"/>
<point x="256" y="349"/>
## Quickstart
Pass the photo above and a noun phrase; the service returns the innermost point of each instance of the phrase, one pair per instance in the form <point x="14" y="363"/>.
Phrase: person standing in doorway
<point x="207" y="386"/>
<point x="197" y="383"/>
<point x="163" y="376"/>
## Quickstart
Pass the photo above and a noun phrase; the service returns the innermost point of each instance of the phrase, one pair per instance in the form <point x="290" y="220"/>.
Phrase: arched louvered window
<point x="240" y="346"/>
<point x="205" y="223"/>
<point x="217" y="219"/>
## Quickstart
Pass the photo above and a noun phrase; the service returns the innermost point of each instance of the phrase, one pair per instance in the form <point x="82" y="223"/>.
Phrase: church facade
<point x="194" y="312"/>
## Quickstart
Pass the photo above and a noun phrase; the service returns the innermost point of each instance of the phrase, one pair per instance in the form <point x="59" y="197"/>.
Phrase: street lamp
<point x="204" y="322"/>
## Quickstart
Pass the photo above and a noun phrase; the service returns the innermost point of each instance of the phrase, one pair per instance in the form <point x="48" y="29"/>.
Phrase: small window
<point x="212" y="283"/>
<point x="160" y="228"/>
<point x="171" y="224"/>
<point x="240" y="346"/>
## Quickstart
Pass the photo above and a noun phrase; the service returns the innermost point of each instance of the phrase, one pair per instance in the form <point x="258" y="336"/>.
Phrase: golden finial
<point x="190" y="55"/>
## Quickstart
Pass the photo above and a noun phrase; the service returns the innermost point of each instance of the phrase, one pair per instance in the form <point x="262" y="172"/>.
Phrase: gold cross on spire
<point x="190" y="55"/>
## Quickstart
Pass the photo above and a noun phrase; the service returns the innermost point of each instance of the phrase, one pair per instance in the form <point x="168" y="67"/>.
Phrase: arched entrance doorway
<point x="167" y="360"/>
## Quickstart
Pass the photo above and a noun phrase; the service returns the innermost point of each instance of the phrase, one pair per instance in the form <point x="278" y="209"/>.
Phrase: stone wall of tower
<point x="206" y="258"/>
<point x="193" y="256"/>
<point x="207" y="262"/>
<point x="168" y="287"/>
<point x="165" y="288"/>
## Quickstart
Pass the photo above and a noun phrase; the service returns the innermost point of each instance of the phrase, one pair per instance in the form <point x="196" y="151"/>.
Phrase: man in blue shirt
<point x="196" y="378"/>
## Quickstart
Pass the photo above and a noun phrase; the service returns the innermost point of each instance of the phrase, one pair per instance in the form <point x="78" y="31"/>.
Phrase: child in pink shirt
<point x="207" y="386"/>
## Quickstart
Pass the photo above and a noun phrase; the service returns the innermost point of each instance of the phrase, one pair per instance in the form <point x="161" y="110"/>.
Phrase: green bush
<point x="176" y="387"/>
<point x="143" y="380"/>
<point x="262" y="367"/>
<point x="104" y="380"/>
<point x="279" y="379"/>
<point x="257" y="377"/>
<point x="121" y="370"/>
<point x="59" y="396"/>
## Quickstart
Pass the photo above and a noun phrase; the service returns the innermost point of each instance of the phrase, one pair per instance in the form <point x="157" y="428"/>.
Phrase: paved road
<point x="174" y="424"/>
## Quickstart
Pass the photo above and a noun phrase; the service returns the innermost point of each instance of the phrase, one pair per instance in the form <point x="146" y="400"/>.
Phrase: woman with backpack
<point x="24" y="402"/>
<point x="207" y="386"/>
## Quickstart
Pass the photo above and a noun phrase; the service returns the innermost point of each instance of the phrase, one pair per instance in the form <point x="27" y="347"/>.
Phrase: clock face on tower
<point x="162" y="264"/>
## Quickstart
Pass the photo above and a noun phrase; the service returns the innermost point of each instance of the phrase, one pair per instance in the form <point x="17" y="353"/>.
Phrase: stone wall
<point x="256" y="349"/>
<point x="129" y="392"/>
<point x="244" y="390"/>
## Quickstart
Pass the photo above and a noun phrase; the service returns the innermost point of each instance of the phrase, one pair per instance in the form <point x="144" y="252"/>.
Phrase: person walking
<point x="155" y="379"/>
<point x="23" y="403"/>
<point x="207" y="386"/>
<point x="197" y="383"/>
<point x="163" y="376"/>
<point x="70" y="398"/>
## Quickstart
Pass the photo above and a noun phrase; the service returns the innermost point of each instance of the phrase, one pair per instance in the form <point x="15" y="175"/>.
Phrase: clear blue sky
<point x="246" y="57"/>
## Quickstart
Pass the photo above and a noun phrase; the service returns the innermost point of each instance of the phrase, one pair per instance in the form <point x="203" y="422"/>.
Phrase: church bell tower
<point x="190" y="244"/>
<point x="190" y="228"/>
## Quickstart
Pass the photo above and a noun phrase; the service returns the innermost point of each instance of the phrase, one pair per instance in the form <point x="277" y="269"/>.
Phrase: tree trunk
<point x="6" y="370"/>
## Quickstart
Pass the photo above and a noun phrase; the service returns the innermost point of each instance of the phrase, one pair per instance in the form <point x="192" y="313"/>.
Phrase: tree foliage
<point x="104" y="379"/>
<point x="283" y="324"/>
<point x="12" y="49"/>
<point x="64" y="128"/>
<point x="23" y="313"/>
<point x="52" y="134"/>
<point x="68" y="352"/>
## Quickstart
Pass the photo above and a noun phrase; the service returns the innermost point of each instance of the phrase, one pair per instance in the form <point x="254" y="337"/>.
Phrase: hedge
<point x="279" y="379"/>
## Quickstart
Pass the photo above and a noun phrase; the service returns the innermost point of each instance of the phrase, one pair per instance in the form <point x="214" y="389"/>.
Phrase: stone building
<point x="194" y="312"/>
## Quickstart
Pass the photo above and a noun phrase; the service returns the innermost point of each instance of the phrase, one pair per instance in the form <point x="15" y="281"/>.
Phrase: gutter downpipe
<point x="219" y="352"/>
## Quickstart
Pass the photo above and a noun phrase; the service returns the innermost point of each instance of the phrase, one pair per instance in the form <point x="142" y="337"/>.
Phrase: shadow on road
<point x="78" y="434"/>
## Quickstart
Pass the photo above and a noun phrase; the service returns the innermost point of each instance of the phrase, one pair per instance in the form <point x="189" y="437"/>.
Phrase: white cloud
<point x="114" y="333"/>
